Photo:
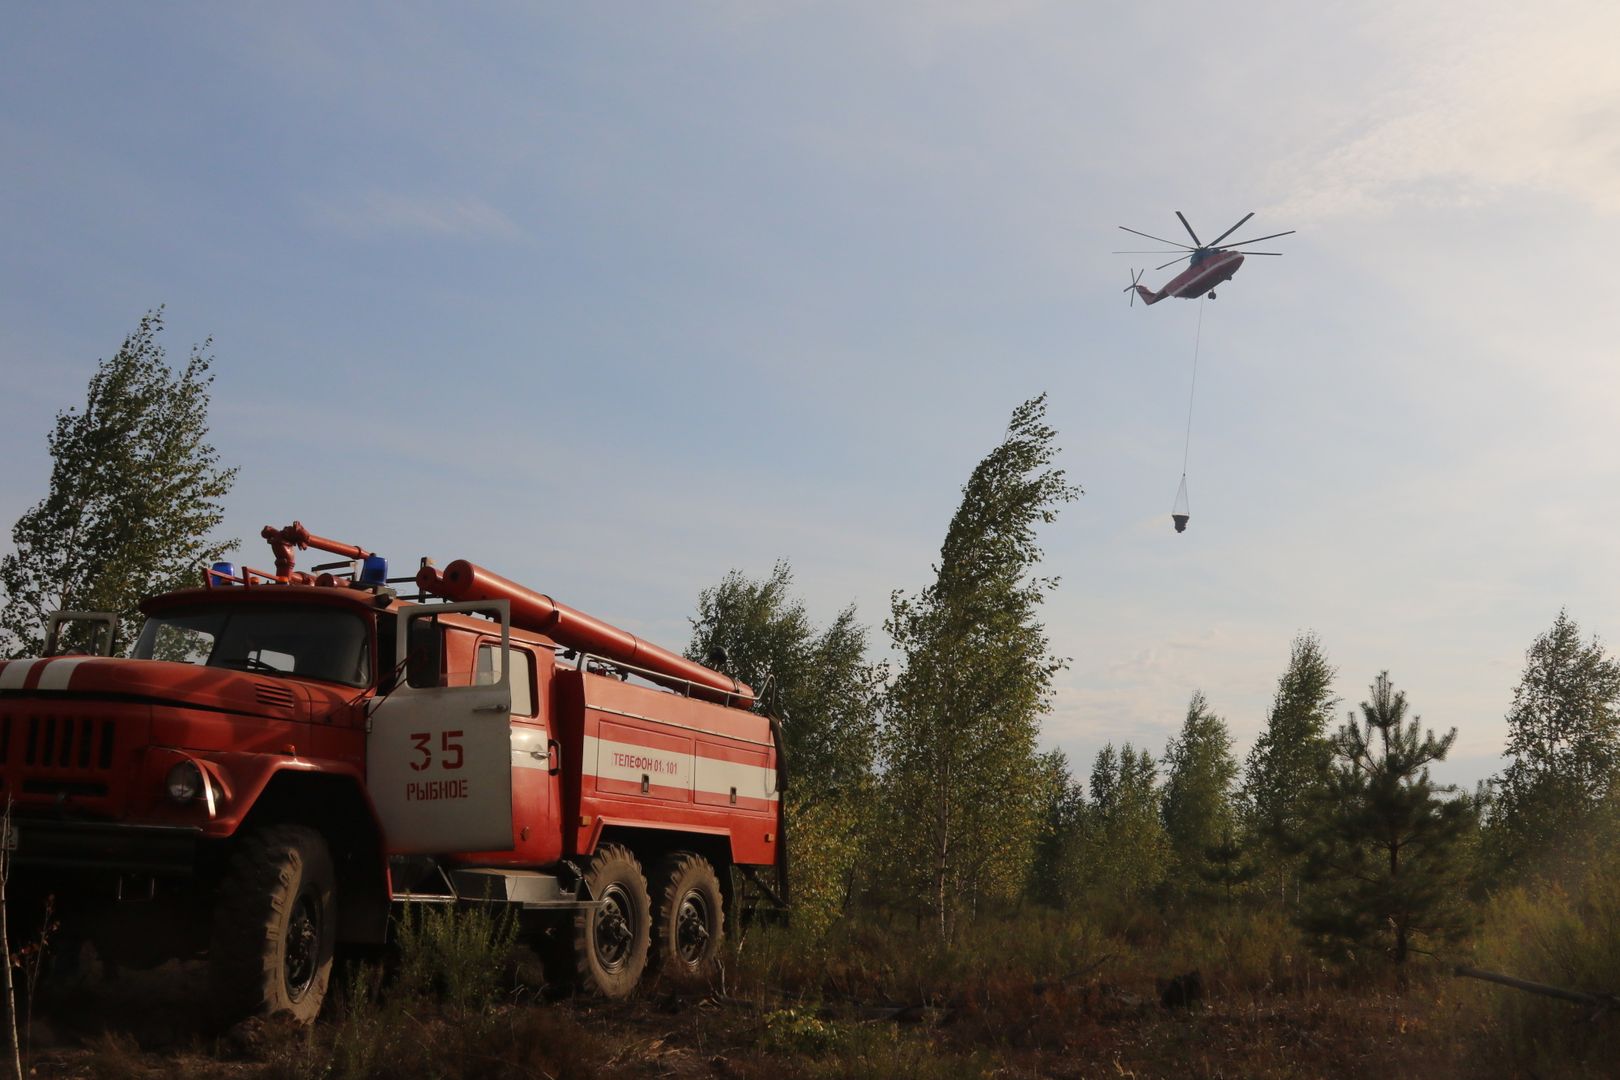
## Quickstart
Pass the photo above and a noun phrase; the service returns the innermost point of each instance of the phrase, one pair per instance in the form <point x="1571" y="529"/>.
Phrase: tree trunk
<point x="5" y="948"/>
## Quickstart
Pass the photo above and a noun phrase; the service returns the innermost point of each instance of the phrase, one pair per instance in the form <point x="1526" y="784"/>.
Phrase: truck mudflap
<point x="159" y="850"/>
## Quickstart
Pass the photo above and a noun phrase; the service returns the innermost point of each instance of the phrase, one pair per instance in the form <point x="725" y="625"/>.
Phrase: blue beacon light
<point x="374" y="571"/>
<point x="222" y="573"/>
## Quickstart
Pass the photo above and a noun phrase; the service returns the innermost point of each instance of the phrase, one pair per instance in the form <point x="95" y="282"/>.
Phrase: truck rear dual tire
<point x="275" y="926"/>
<point x="610" y="940"/>
<point x="690" y="924"/>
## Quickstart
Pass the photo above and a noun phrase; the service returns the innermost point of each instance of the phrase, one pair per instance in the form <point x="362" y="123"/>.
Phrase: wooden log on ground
<point x="1579" y="997"/>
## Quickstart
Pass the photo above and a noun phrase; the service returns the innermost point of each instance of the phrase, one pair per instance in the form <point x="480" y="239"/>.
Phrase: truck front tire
<point x="275" y="926"/>
<point x="611" y="939"/>
<point x="690" y="923"/>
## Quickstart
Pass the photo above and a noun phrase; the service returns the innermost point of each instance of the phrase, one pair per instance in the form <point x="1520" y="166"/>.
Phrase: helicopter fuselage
<point x="1207" y="270"/>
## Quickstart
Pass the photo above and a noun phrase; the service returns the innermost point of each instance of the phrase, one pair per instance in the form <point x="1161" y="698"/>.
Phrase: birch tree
<point x="1198" y="806"/>
<point x="958" y="743"/>
<point x="1289" y="761"/>
<point x="134" y="495"/>
<point x="1563" y="742"/>
<point x="823" y="688"/>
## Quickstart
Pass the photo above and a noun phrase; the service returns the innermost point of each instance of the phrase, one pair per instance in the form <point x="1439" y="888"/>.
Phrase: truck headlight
<point x="184" y="782"/>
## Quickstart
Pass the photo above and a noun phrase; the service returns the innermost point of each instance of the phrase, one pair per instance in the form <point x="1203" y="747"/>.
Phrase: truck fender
<point x="335" y="804"/>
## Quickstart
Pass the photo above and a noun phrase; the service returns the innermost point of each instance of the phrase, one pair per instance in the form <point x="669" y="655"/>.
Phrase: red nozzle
<point x="284" y="540"/>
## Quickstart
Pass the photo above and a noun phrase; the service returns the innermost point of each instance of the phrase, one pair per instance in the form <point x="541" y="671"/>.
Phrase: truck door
<point x="535" y="767"/>
<point x="439" y="750"/>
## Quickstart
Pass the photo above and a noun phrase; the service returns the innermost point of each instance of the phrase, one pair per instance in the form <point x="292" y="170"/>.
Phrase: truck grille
<point x="65" y="742"/>
<point x="58" y="754"/>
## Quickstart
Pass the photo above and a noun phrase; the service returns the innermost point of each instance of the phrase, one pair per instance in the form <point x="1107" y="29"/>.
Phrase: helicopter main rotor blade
<point x="1188" y="227"/>
<point x="1158" y="251"/>
<point x="1257" y="239"/>
<point x="1160" y="239"/>
<point x="1232" y="230"/>
<point x="1172" y="262"/>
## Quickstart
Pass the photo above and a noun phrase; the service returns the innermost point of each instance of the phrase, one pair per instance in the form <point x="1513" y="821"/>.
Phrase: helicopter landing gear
<point x="1212" y="295"/>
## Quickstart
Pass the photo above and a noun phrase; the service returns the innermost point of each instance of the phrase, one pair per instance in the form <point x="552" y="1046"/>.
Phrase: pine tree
<point x="135" y="492"/>
<point x="1198" y="809"/>
<point x="1387" y="854"/>
<point x="1289" y="760"/>
<point x="1229" y="864"/>
<point x="958" y="744"/>
<point x="1564" y="742"/>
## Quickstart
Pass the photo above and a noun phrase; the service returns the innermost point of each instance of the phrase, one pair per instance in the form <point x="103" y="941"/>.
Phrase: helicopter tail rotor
<point x="1136" y="276"/>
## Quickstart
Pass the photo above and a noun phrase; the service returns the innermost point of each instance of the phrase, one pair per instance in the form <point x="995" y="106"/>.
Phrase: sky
<point x="616" y="298"/>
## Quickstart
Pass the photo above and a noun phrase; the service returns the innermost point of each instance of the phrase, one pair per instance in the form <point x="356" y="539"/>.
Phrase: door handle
<point x="493" y="707"/>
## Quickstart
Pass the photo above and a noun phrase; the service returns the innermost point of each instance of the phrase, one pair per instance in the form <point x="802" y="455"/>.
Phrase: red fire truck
<point x="286" y="760"/>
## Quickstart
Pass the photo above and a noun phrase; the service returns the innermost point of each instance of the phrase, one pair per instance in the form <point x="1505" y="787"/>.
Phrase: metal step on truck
<point x="286" y="761"/>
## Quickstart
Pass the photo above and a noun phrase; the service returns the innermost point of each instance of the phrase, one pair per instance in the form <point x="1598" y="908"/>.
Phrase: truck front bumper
<point x="159" y="850"/>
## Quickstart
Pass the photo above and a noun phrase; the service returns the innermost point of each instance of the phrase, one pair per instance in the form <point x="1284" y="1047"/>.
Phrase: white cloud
<point x="1467" y="105"/>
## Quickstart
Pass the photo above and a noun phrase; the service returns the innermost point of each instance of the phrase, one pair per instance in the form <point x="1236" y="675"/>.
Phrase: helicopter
<point x="1211" y="263"/>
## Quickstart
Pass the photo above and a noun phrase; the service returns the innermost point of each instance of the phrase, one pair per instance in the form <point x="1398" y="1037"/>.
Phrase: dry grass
<point x="1028" y="993"/>
<point x="1561" y="934"/>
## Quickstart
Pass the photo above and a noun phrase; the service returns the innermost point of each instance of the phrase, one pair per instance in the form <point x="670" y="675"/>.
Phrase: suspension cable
<point x="1197" y="338"/>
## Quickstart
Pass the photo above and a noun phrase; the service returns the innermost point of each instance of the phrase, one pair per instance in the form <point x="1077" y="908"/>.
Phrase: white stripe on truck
<point x="609" y="759"/>
<point x="58" y="673"/>
<point x="13" y="674"/>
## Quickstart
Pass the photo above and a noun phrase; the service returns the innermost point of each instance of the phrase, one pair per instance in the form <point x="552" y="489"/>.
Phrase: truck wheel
<point x="275" y="926"/>
<point x="610" y="941"/>
<point x="690" y="923"/>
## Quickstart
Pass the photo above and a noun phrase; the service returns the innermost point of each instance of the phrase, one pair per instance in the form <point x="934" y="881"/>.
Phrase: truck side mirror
<point x="424" y="668"/>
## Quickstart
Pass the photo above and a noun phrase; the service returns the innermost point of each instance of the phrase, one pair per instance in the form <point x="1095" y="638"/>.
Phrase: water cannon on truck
<point x="288" y="760"/>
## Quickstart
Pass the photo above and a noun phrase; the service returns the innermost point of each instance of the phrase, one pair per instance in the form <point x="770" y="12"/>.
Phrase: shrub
<point x="1562" y="935"/>
<point x="827" y="837"/>
<point x="800" y="1034"/>
<point x="459" y="955"/>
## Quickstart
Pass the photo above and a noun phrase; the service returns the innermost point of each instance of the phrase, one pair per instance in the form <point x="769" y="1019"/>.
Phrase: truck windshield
<point x="313" y="642"/>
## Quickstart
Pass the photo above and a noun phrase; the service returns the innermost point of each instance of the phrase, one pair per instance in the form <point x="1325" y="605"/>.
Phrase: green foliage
<point x="1241" y="949"/>
<point x="1564" y="741"/>
<point x="1561" y="935"/>
<point x="441" y="1015"/>
<point x="1199" y="815"/>
<point x="135" y="491"/>
<point x="1229" y="864"/>
<point x="791" y="1031"/>
<point x="958" y="746"/>
<point x="1060" y="802"/>
<point x="1386" y="853"/>
<point x="1123" y="852"/>
<point x="360" y="1042"/>
<point x="827" y="839"/>
<point x="1289" y="761"/>
<point x="458" y="955"/>
<point x="822" y="688"/>
<point x="374" y="1031"/>
<point x="821" y="685"/>
<point x="877" y="959"/>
